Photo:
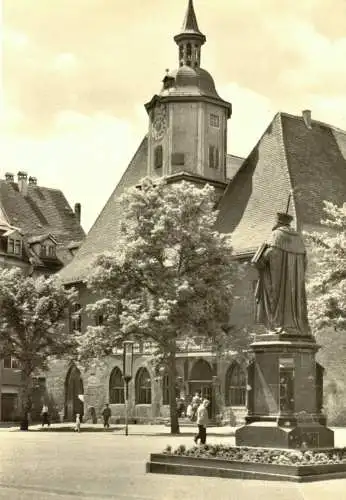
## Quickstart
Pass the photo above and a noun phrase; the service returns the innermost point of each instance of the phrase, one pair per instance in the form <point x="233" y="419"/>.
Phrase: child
<point x="77" y="427"/>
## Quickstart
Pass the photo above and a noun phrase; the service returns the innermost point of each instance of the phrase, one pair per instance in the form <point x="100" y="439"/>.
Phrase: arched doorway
<point x="73" y="389"/>
<point x="201" y="381"/>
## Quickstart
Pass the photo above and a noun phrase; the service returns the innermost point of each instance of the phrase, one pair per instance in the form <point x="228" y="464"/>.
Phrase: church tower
<point x="188" y="119"/>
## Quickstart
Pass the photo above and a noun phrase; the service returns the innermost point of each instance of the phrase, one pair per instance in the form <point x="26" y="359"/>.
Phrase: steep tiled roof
<point x="105" y="232"/>
<point x="40" y="211"/>
<point x="289" y="155"/>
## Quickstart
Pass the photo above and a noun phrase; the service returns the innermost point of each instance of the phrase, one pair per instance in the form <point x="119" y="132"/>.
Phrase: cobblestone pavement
<point x="108" y="465"/>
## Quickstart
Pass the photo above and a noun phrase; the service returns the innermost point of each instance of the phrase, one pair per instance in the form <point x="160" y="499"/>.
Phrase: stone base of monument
<point x="161" y="463"/>
<point x="271" y="435"/>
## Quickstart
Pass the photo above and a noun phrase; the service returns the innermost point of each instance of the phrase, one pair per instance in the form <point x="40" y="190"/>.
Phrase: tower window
<point x="158" y="157"/>
<point x="213" y="157"/>
<point x="181" y="55"/>
<point x="215" y="121"/>
<point x="178" y="159"/>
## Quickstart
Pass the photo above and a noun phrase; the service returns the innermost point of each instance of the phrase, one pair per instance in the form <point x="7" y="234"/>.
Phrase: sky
<point x="76" y="75"/>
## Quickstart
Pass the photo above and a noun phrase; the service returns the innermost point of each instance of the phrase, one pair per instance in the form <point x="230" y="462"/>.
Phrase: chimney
<point x="32" y="181"/>
<point x="9" y="177"/>
<point x="77" y="211"/>
<point x="307" y="118"/>
<point x="23" y="183"/>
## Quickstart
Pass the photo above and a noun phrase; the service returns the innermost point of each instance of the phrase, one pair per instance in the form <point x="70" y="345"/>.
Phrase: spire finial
<point x="190" y="20"/>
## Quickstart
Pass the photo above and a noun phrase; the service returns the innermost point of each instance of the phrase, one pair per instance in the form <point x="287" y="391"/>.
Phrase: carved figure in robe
<point x="280" y="291"/>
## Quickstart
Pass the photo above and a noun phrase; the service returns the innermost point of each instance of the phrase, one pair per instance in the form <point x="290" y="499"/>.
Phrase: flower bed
<point x="251" y="463"/>
<point x="262" y="455"/>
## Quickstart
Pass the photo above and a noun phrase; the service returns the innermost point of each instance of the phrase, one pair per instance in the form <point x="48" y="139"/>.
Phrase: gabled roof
<point x="42" y="210"/>
<point x="289" y="156"/>
<point x="104" y="234"/>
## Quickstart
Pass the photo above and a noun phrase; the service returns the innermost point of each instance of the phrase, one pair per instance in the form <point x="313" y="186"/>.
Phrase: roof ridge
<point x="325" y="124"/>
<point x="235" y="156"/>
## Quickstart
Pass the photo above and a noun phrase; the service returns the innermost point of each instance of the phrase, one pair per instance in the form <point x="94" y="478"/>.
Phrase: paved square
<point x="71" y="466"/>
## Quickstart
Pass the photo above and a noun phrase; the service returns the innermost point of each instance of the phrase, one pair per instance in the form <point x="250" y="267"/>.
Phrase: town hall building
<point x="187" y="141"/>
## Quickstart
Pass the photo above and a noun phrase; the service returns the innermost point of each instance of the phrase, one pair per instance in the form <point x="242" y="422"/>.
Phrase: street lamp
<point x="127" y="375"/>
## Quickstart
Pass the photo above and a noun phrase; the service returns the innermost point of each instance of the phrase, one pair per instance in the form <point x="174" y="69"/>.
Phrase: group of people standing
<point x="106" y="415"/>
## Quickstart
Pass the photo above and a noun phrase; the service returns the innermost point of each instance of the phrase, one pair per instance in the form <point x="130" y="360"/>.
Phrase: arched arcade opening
<point x="74" y="389"/>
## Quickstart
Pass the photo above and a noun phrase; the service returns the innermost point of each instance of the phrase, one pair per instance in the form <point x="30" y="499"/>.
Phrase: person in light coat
<point x="202" y="422"/>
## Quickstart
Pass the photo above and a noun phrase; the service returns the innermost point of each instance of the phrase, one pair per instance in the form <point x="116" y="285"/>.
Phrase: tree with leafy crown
<point x="170" y="276"/>
<point x="33" y="326"/>
<point x="327" y="286"/>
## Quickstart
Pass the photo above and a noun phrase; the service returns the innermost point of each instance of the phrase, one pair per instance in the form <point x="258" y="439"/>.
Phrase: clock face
<point x="159" y="122"/>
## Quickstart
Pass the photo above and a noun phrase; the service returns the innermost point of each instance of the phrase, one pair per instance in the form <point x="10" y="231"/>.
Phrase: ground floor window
<point x="143" y="386"/>
<point x="116" y="387"/>
<point x="236" y="386"/>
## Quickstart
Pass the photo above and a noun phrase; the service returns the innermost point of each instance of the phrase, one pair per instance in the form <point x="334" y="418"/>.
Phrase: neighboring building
<point x="187" y="141"/>
<point x="38" y="233"/>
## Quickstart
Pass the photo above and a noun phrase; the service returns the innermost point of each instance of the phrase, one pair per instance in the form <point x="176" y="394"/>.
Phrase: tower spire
<point x="190" y="39"/>
<point x="190" y="20"/>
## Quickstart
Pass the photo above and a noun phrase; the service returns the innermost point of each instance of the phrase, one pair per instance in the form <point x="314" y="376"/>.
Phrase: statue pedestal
<point x="285" y="395"/>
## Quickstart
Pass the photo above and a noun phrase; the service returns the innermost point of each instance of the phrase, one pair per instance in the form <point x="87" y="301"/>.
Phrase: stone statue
<point x="280" y="292"/>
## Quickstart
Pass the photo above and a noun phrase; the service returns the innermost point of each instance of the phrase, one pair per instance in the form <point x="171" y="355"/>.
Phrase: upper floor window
<point x="11" y="362"/>
<point x="158" y="157"/>
<point x="213" y="157"/>
<point x="99" y="319"/>
<point x="76" y="318"/>
<point x="215" y="120"/>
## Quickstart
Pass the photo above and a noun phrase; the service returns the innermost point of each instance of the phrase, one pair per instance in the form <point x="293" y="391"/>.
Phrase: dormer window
<point x="14" y="246"/>
<point x="17" y="247"/>
<point x="10" y="247"/>
<point x="51" y="251"/>
<point x="48" y="251"/>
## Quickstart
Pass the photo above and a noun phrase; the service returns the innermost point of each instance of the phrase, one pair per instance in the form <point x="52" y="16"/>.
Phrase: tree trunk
<point x="25" y="400"/>
<point x="172" y="389"/>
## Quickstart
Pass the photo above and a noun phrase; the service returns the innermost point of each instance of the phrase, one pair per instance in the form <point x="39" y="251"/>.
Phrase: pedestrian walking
<point x="106" y="416"/>
<point x="45" y="415"/>
<point x="77" y="426"/>
<point x="202" y="422"/>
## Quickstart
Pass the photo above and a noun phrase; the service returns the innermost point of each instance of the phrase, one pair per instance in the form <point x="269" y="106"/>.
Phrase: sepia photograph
<point x="173" y="250"/>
